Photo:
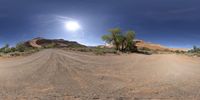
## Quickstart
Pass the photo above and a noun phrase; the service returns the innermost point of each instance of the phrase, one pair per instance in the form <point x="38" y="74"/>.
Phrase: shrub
<point x="179" y="52"/>
<point x="144" y="49"/>
<point x="21" y="47"/>
<point x="194" y="50"/>
<point x="13" y="49"/>
<point x="102" y="51"/>
<point x="84" y="49"/>
<point x="95" y="50"/>
<point x="5" y="49"/>
<point x="15" y="54"/>
<point x="52" y="45"/>
<point x="99" y="52"/>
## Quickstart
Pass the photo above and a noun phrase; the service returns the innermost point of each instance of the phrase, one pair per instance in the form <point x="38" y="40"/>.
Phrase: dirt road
<point x="62" y="75"/>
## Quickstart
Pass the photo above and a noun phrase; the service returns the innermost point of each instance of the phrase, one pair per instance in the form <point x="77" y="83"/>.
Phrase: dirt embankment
<point x="157" y="47"/>
<point x="60" y="75"/>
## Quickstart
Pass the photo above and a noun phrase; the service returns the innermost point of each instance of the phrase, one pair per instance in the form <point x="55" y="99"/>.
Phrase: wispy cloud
<point x="47" y="19"/>
<point x="62" y="18"/>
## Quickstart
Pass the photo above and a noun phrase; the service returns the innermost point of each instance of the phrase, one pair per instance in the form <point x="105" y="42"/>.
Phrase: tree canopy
<point x="123" y="41"/>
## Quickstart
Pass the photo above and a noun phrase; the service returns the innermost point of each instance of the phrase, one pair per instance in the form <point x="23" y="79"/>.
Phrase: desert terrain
<point x="55" y="74"/>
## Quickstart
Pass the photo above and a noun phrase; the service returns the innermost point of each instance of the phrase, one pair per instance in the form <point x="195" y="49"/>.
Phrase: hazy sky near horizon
<point x="173" y="23"/>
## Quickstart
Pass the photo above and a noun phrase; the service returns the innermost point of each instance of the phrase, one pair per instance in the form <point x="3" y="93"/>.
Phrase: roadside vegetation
<point x="95" y="50"/>
<point x="19" y="49"/>
<point x="122" y="41"/>
<point x="194" y="52"/>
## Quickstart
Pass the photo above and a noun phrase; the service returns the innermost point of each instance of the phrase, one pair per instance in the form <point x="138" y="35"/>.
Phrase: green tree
<point x="107" y="38"/>
<point x="6" y="46"/>
<point x="113" y="38"/>
<point x="195" y="49"/>
<point x="121" y="41"/>
<point x="115" y="35"/>
<point x="130" y="35"/>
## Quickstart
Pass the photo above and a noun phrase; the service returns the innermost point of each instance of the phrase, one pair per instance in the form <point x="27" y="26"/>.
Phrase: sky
<point x="173" y="23"/>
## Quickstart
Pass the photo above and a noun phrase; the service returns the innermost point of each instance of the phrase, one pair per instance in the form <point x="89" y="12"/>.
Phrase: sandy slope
<point x="33" y="43"/>
<point x="60" y="75"/>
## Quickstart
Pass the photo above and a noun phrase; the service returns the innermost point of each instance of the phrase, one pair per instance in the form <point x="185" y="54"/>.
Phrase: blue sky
<point x="173" y="23"/>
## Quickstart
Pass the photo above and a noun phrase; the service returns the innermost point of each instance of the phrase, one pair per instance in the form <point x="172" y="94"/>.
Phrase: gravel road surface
<point x="65" y="75"/>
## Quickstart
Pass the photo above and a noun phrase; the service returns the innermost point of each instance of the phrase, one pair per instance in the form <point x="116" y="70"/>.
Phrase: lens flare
<point x="72" y="26"/>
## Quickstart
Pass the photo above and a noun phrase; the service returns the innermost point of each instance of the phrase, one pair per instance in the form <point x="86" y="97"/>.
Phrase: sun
<point x="72" y="26"/>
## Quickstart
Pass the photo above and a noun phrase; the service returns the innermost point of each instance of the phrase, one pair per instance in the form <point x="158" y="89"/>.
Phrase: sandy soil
<point x="61" y="75"/>
<point x="33" y="43"/>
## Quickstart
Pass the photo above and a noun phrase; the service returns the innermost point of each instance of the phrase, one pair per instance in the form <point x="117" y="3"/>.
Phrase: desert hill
<point x="41" y="42"/>
<point x="156" y="47"/>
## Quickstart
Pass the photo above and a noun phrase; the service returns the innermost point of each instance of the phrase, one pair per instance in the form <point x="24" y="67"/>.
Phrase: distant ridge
<point x="153" y="46"/>
<point x="42" y="42"/>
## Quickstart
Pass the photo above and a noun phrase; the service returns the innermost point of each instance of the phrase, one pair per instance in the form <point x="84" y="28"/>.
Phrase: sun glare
<point x="72" y="25"/>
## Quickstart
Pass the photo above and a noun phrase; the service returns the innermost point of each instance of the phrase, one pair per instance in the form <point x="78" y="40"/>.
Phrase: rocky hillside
<point x="41" y="42"/>
<point x="157" y="47"/>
